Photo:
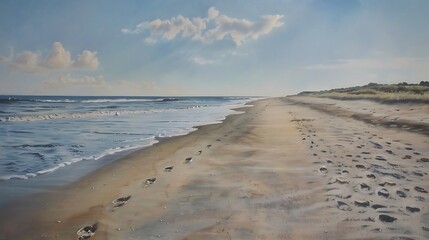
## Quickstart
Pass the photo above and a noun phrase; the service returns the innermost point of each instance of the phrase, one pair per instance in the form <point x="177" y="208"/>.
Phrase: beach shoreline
<point x="263" y="174"/>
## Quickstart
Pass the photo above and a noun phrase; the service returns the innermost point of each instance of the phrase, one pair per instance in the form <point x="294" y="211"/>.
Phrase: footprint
<point x="386" y="218"/>
<point x="323" y="170"/>
<point x="87" y="231"/>
<point x="119" y="202"/>
<point x="371" y="176"/>
<point x="150" y="181"/>
<point x="365" y="187"/>
<point x="343" y="196"/>
<point x="383" y="193"/>
<point x="412" y="209"/>
<point x="389" y="151"/>
<point x="343" y="206"/>
<point x="188" y="160"/>
<point x="380" y="158"/>
<point x="393" y="164"/>
<point x="401" y="194"/>
<point x="377" y="145"/>
<point x="419" y="189"/>
<point x="199" y="152"/>
<point x="340" y="181"/>
<point x="420" y="198"/>
<point x="360" y="203"/>
<point x="360" y="166"/>
<point x="423" y="160"/>
<point x="395" y="175"/>
<point x="418" y="173"/>
<point x="388" y="183"/>
<point x="168" y="169"/>
<point x="209" y="146"/>
<point x="377" y="206"/>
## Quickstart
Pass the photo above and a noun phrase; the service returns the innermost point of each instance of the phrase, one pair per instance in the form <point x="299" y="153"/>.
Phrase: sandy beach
<point x="287" y="168"/>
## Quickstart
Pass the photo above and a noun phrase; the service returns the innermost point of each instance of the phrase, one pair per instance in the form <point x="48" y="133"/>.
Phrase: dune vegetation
<point x="388" y="93"/>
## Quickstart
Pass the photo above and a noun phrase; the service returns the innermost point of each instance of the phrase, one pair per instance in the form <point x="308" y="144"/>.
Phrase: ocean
<point x="41" y="135"/>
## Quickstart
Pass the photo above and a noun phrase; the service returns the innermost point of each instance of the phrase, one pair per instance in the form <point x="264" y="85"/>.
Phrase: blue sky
<point x="197" y="47"/>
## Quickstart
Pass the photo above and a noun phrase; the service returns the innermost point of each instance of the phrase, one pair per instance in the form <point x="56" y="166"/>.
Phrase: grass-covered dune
<point x="388" y="93"/>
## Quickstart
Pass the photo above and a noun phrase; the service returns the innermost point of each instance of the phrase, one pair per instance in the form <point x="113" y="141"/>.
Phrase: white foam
<point x="122" y="100"/>
<point x="55" y="101"/>
<point x="106" y="152"/>
<point x="23" y="118"/>
<point x="176" y="132"/>
<point x="8" y="177"/>
<point x="116" y="113"/>
<point x="49" y="170"/>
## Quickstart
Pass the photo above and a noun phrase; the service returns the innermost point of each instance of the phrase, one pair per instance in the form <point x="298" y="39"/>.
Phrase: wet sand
<point x="288" y="168"/>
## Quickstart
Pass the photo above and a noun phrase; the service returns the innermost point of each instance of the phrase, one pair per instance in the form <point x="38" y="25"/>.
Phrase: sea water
<point x="40" y="135"/>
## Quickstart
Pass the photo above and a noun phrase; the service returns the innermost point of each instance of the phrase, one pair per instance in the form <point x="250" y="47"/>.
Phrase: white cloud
<point x="58" y="59"/>
<point x="239" y="30"/>
<point x="202" y="61"/>
<point x="213" y="13"/>
<point x="27" y="62"/>
<point x="86" y="60"/>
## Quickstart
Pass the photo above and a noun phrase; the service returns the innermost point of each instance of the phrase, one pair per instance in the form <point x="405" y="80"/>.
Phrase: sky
<point x="202" y="48"/>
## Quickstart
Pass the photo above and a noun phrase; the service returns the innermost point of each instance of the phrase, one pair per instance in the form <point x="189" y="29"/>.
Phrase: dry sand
<point x="282" y="170"/>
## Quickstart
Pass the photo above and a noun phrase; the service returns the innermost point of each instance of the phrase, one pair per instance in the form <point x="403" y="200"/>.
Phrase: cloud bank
<point x="98" y="85"/>
<point x="58" y="59"/>
<point x="214" y="27"/>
